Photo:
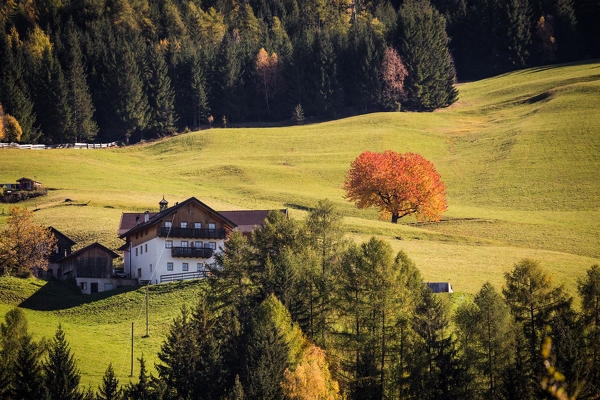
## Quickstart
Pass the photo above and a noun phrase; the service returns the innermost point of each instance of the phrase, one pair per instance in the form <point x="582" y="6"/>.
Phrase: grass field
<point x="519" y="153"/>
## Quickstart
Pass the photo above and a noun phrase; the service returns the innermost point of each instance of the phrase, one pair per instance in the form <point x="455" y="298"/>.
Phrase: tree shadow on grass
<point x="61" y="295"/>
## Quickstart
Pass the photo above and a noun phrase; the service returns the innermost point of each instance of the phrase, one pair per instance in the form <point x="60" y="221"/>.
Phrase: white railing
<point x="58" y="146"/>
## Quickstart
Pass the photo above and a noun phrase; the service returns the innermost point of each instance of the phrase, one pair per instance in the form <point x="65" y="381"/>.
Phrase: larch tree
<point x="532" y="301"/>
<point x="392" y="73"/>
<point x="398" y="184"/>
<point x="589" y="291"/>
<point x="267" y="67"/>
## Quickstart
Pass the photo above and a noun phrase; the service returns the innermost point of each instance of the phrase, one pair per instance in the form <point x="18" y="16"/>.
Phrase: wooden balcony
<point x="191" y="252"/>
<point x="183" y="276"/>
<point x="191" y="233"/>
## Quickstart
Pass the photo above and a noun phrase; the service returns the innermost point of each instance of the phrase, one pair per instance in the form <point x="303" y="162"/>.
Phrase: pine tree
<point x="199" y="94"/>
<point x="161" y="96"/>
<point x="14" y="92"/>
<point x="274" y="344"/>
<point x="109" y="390"/>
<point x="52" y="106"/>
<point x="83" y="126"/>
<point x="61" y="375"/>
<point x="423" y="45"/>
<point x="29" y="379"/>
<point x="142" y="389"/>
<point x="12" y="331"/>
<point x="517" y="42"/>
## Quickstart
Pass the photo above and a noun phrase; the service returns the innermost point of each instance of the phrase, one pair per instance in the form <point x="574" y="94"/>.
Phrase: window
<point x="184" y="224"/>
<point x="168" y="244"/>
<point x="146" y="247"/>
<point x="198" y="244"/>
<point x="211" y="226"/>
<point x="197" y="225"/>
<point x="141" y="250"/>
<point x="199" y="267"/>
<point x="185" y="267"/>
<point x="136" y="251"/>
<point x="169" y="266"/>
<point x="212" y="245"/>
<point x="83" y="286"/>
<point x="184" y="243"/>
<point x="150" y="267"/>
<point x="167" y="224"/>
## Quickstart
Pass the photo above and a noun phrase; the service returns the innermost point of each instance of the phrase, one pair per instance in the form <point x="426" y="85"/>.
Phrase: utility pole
<point x="131" y="373"/>
<point x="147" y="335"/>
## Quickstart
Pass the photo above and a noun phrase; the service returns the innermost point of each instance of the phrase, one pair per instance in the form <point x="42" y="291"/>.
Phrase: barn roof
<point x="58" y="235"/>
<point x="88" y="248"/>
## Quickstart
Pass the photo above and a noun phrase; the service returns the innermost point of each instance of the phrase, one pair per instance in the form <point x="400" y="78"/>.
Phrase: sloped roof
<point x="87" y="248"/>
<point x="58" y="234"/>
<point x="129" y="220"/>
<point x="244" y="220"/>
<point x="156" y="217"/>
<point x="247" y="220"/>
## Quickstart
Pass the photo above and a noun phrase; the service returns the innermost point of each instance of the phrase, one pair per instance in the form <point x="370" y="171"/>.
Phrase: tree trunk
<point x="395" y="218"/>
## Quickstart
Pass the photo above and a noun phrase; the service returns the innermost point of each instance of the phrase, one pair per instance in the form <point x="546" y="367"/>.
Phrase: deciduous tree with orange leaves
<point x="399" y="184"/>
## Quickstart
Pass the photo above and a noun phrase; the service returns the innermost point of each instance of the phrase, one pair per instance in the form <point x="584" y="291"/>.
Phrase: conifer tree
<point x="14" y="92"/>
<point x="29" y="379"/>
<point x="142" y="389"/>
<point x="52" y="105"/>
<point x="589" y="291"/>
<point x="109" y="389"/>
<point x="533" y="301"/>
<point x="161" y="96"/>
<point x="486" y="339"/>
<point x="274" y="344"/>
<point x="200" y="94"/>
<point x="83" y="125"/>
<point x="423" y="45"/>
<point x="61" y="375"/>
<point x="11" y="332"/>
<point x="517" y="15"/>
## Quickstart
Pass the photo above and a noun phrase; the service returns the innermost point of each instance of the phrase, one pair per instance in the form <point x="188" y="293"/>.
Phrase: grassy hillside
<point x="98" y="327"/>
<point x="520" y="155"/>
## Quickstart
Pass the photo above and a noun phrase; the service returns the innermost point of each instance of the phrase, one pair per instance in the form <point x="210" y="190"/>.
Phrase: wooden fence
<point x="58" y="146"/>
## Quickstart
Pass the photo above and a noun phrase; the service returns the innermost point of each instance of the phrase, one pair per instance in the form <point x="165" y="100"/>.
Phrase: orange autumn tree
<point x="311" y="380"/>
<point x="399" y="184"/>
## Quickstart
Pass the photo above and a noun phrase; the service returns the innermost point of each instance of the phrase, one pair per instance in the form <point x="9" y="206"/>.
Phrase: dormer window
<point x="184" y="224"/>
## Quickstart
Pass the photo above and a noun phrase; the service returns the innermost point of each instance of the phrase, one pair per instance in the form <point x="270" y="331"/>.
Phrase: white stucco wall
<point x="152" y="263"/>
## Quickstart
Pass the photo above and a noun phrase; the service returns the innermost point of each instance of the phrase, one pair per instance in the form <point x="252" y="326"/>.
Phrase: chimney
<point x="146" y="216"/>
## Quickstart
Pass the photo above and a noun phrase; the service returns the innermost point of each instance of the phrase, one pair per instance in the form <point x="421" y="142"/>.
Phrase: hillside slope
<point x="520" y="155"/>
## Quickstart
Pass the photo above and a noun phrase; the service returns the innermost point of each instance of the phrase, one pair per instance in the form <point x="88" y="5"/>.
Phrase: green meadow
<point x="519" y="154"/>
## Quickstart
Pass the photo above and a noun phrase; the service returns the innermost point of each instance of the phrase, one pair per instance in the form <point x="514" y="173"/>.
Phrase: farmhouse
<point x="91" y="267"/>
<point x="178" y="242"/>
<point x="28" y="184"/>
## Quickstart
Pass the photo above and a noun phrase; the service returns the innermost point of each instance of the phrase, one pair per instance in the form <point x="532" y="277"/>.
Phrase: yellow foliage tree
<point x="12" y="129"/>
<point x="311" y="380"/>
<point x="267" y="68"/>
<point x="37" y="43"/>
<point x="24" y="245"/>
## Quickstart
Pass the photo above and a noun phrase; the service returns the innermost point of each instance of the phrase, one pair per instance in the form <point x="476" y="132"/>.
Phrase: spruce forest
<point x="128" y="70"/>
